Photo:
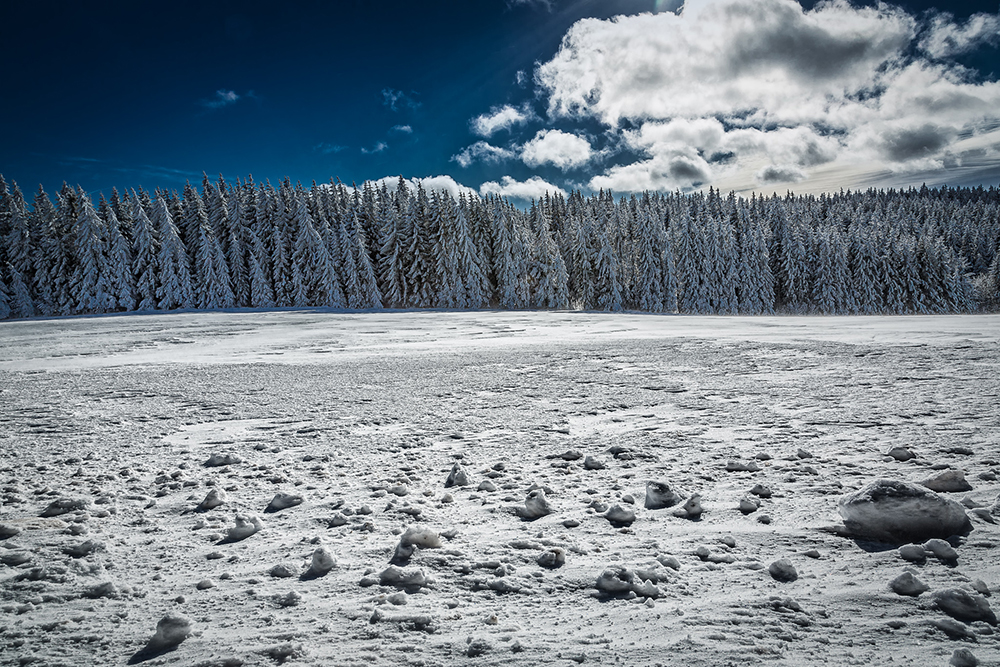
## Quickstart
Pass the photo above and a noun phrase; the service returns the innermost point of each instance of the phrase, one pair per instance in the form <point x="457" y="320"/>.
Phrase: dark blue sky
<point x="140" y="93"/>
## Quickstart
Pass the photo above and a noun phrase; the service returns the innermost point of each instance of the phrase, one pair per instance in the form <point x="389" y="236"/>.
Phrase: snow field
<point x="354" y="423"/>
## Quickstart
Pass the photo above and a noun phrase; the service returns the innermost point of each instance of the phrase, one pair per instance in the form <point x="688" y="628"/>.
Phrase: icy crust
<point x="899" y="511"/>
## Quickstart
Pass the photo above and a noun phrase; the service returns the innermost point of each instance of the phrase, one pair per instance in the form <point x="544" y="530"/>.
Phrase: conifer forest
<point x="248" y="245"/>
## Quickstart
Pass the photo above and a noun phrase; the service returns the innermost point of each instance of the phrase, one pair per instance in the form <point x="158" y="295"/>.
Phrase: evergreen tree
<point x="4" y="297"/>
<point x="174" y="284"/>
<point x="120" y="282"/>
<point x="213" y="289"/>
<point x="89" y="290"/>
<point x="608" y="289"/>
<point x="144" y="266"/>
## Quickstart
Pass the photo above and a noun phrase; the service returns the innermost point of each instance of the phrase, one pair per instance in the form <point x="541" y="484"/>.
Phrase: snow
<point x="111" y="520"/>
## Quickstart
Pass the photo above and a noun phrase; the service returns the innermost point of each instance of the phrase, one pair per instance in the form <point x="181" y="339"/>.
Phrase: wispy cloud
<point x="377" y="148"/>
<point x="402" y="129"/>
<point x="222" y="98"/>
<point x="501" y="118"/>
<point x="533" y="188"/>
<point x="327" y="149"/>
<point x="541" y="4"/>
<point x="397" y="99"/>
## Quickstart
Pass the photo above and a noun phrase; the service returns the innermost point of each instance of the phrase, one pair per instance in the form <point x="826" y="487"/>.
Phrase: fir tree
<point x="174" y="285"/>
<point x="90" y="286"/>
<point x="120" y="282"/>
<point x="145" y="252"/>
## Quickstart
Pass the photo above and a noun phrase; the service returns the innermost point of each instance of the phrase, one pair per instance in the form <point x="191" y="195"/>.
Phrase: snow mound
<point x="783" y="570"/>
<point x="907" y="584"/>
<point x="964" y="606"/>
<point x="403" y="578"/>
<point x="620" y="515"/>
<point x="620" y="580"/>
<point x="171" y="630"/>
<point x="416" y="536"/>
<point x="215" y="498"/>
<point x="322" y="562"/>
<point x="65" y="506"/>
<point x="223" y="459"/>
<point x="947" y="481"/>
<point x="536" y="505"/>
<point x="282" y="501"/>
<point x="660" y="495"/>
<point x="898" y="511"/>
<point x="457" y="477"/>
<point x="246" y="525"/>
<point x="692" y="509"/>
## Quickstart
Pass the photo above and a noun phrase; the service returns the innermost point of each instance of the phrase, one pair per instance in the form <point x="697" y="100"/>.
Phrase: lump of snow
<point x="901" y="454"/>
<point x="692" y="509"/>
<point x="620" y="580"/>
<point x="15" y="558"/>
<point x="739" y="466"/>
<point x="660" y="495"/>
<point x="536" y="505"/>
<point x="283" y="571"/>
<point x="907" y="584"/>
<point x="205" y="584"/>
<point x="594" y="463"/>
<point x="403" y="578"/>
<point x="416" y="536"/>
<point x="84" y="549"/>
<point x="912" y="552"/>
<point x="322" y="563"/>
<point x="899" y="511"/>
<point x="620" y="515"/>
<point x="486" y="485"/>
<point x="963" y="657"/>
<point x="570" y="455"/>
<point x="782" y="570"/>
<point x="283" y="501"/>
<point x="289" y="599"/>
<point x="457" y="477"/>
<point x="7" y="531"/>
<point x="65" y="506"/>
<point x="941" y="549"/>
<point x="171" y="630"/>
<point x="749" y="505"/>
<point x="244" y="528"/>
<point x="964" y="606"/>
<point x="947" y="481"/>
<point x="223" y="459"/>
<point x="215" y="498"/>
<point x="552" y="558"/>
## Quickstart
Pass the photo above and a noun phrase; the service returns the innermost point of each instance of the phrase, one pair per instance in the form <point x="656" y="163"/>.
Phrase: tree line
<point x="242" y="244"/>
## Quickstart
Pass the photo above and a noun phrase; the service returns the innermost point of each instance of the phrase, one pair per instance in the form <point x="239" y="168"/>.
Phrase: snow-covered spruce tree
<point x="470" y="263"/>
<point x="174" y="283"/>
<point x="89" y="289"/>
<point x="314" y="276"/>
<point x="349" y="263"/>
<point x="231" y="217"/>
<point x="146" y="249"/>
<point x="608" y="288"/>
<point x="61" y="251"/>
<point x="418" y="262"/>
<point x="449" y="284"/>
<point x="212" y="287"/>
<point x="756" y="282"/>
<point x="390" y="264"/>
<point x="370" y="297"/>
<point x="42" y="220"/>
<point x="261" y="292"/>
<point x="647" y="280"/>
<point x="19" y="248"/>
<point x="547" y="271"/>
<point x="4" y="298"/>
<point x="508" y="254"/>
<point x="120" y="282"/>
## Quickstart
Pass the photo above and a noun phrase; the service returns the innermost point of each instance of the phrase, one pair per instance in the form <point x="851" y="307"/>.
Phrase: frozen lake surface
<point x="360" y="417"/>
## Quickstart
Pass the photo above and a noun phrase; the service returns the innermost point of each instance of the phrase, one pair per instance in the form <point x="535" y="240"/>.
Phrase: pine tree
<point x="4" y="297"/>
<point x="608" y="287"/>
<point x="213" y="288"/>
<point x="369" y="295"/>
<point x="146" y="249"/>
<point x="90" y="286"/>
<point x="174" y="283"/>
<point x="120" y="282"/>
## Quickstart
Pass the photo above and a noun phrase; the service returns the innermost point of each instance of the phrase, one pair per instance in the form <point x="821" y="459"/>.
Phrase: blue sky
<point x="506" y="96"/>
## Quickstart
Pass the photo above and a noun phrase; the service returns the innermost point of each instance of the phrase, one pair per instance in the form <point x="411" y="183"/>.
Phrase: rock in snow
<point x="783" y="570"/>
<point x="322" y="562"/>
<point x="620" y="515"/>
<point x="223" y="459"/>
<point x="244" y="528"/>
<point x="536" y="505"/>
<point x="620" y="580"/>
<point x="283" y="501"/>
<point x="899" y="511"/>
<point x="215" y="498"/>
<point x="171" y="630"/>
<point x="907" y="584"/>
<point x="65" y="506"/>
<point x="457" y="477"/>
<point x="660" y="495"/>
<point x="947" y="481"/>
<point x="964" y="606"/>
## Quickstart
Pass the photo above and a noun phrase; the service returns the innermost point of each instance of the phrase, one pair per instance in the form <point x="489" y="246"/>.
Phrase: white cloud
<point x="403" y="129"/>
<point x="757" y="91"/>
<point x="558" y="148"/>
<point x="547" y="4"/>
<point x="501" y="118"/>
<point x="223" y="98"/>
<point x="326" y="149"/>
<point x="482" y="152"/>
<point x="533" y="188"/>
<point x="430" y="184"/>
<point x="397" y="99"/>
<point x="945" y="38"/>
<point x="377" y="148"/>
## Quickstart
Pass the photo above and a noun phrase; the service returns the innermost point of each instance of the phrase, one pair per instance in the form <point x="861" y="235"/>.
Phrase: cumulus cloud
<point x="533" y="188"/>
<point x="482" y="152"/>
<point x="430" y="184"/>
<point x="767" y="89"/>
<point x="501" y="118"/>
<point x="945" y="38"/>
<point x="402" y="129"/>
<point x="558" y="148"/>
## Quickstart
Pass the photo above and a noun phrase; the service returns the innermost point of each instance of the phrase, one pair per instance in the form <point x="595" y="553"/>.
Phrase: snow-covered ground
<point x="359" y="418"/>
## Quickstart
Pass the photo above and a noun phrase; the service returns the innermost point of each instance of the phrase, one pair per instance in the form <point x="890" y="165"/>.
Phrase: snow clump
<point x="900" y="511"/>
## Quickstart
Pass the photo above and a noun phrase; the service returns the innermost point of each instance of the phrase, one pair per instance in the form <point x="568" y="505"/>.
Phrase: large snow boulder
<point x="897" y="511"/>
